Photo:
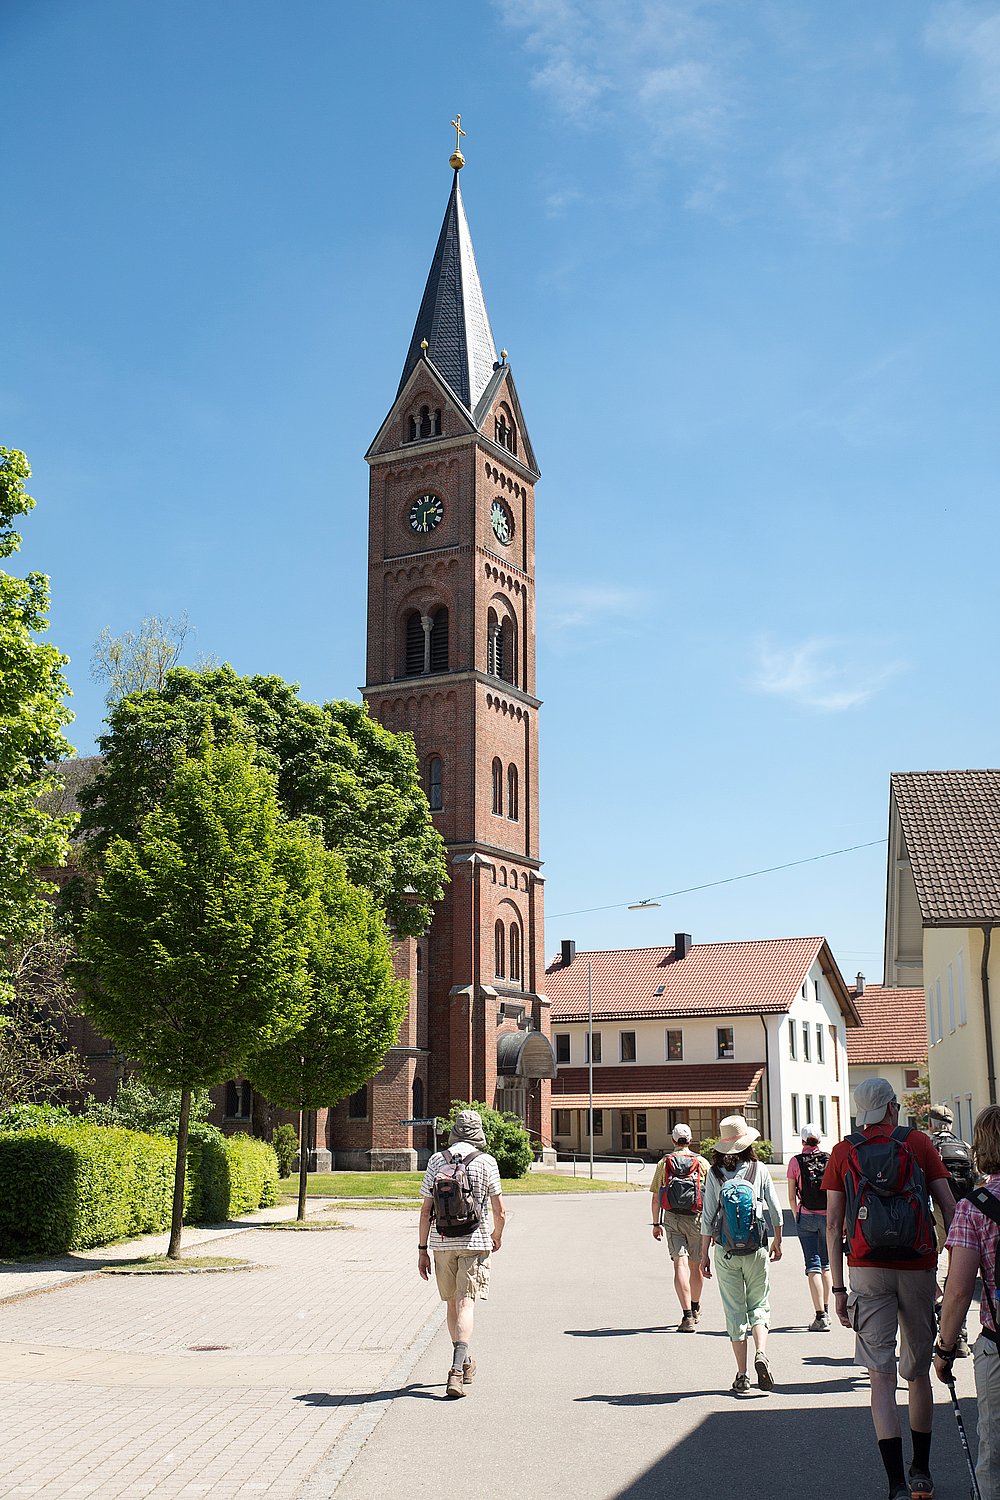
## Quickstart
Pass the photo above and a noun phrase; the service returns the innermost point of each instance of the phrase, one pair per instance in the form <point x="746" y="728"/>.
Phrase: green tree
<point x="37" y="1063"/>
<point x="917" y="1103"/>
<point x="355" y="1005"/>
<point x="137" y="661"/>
<point x="32" y="713"/>
<point x="332" y="762"/>
<point x="193" y="952"/>
<point x="506" y="1137"/>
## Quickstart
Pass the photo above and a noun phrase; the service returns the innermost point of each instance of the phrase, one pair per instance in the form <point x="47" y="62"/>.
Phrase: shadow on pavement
<point x="362" y="1398"/>
<point x="671" y="1398"/>
<point x="613" y="1333"/>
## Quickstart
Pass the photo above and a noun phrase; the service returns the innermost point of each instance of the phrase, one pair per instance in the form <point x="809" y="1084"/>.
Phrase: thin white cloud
<point x="571" y="613"/>
<point x="968" y="35"/>
<point x="825" y="673"/>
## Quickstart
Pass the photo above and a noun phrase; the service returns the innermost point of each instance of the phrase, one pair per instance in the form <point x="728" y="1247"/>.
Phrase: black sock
<point x="921" y="1450"/>
<point x="891" y="1450"/>
<point x="696" y="1307"/>
<point x="459" y="1356"/>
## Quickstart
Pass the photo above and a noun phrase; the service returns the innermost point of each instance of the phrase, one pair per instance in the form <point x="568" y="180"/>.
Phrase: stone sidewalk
<point x="221" y="1385"/>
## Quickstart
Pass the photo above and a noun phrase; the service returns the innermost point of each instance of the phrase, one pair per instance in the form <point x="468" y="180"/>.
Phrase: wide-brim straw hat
<point x="735" y="1135"/>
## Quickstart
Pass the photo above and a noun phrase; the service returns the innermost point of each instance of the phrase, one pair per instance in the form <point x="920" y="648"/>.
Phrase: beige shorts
<point x="462" y="1273"/>
<point x="883" y="1300"/>
<point x="683" y="1233"/>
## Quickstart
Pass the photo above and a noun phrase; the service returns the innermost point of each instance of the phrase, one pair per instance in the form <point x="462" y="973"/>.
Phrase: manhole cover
<point x="207" y="1348"/>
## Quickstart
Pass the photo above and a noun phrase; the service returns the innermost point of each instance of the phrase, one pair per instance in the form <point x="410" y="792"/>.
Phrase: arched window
<point x="439" y="641"/>
<point x="493" y="646"/>
<point x="418" y="1098"/>
<point x="512" y="792"/>
<point x="515" y="953"/>
<point x="413" y="429"/>
<point x="357" y="1104"/>
<point x="437" y="421"/>
<point x="505" y="431"/>
<point x="434" y="790"/>
<point x="501" y="647"/>
<point x="503" y="875"/>
<point x="499" y="944"/>
<point x="425" y="421"/>
<point x="498" y="787"/>
<point x="413" y="664"/>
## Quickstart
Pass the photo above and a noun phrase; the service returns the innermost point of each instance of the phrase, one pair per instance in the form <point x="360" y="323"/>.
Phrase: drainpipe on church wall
<point x="991" y="1072"/>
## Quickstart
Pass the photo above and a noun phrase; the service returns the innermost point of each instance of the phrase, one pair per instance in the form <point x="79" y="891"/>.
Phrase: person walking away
<point x="974" y="1241"/>
<point x="677" y="1194"/>
<point x="807" y="1201"/>
<point x="461" y="1221"/>
<point x="957" y="1157"/>
<point x="740" y="1206"/>
<point x="877" y="1183"/>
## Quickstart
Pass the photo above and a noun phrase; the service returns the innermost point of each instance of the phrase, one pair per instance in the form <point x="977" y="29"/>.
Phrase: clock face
<point x="503" y="522"/>
<point x="426" y="512"/>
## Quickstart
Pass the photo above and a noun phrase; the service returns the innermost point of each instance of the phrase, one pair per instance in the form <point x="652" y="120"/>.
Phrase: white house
<point x="891" y="1041"/>
<point x="697" y="1031"/>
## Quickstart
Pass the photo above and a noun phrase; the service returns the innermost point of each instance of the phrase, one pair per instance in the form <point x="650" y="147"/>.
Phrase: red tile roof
<point x="721" y="1085"/>
<point x="893" y="1029"/>
<point x="715" y="979"/>
<point x="951" y="824"/>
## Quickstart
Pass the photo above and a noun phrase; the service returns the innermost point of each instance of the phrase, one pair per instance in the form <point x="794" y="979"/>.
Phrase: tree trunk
<point x="303" y="1163"/>
<point x="177" y="1214"/>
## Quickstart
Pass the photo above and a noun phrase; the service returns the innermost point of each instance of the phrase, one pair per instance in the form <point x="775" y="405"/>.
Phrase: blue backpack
<point x="740" y="1226"/>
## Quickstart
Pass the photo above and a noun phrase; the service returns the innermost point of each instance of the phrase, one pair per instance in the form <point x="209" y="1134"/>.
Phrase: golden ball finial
<point x="456" y="160"/>
<point x="424" y="345"/>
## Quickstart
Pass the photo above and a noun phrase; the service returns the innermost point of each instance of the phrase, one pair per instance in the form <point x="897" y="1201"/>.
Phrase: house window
<point x="357" y="1104"/>
<point x="960" y="965"/>
<point x="931" y="1034"/>
<point x="809" y="1111"/>
<point x="822" y="1114"/>
<point x="675" y="1046"/>
<point x="597" y="1047"/>
<point x="791" y="1040"/>
<point x="795" y="1114"/>
<point x="498" y="787"/>
<point x="560" y="1122"/>
<point x="951" y="999"/>
<point x="816" y="986"/>
<point x="239" y="1100"/>
<point x="725" y="1046"/>
<point x="561" y="1040"/>
<point x="641" y="1137"/>
<point x="805" y="1041"/>
<point x="500" y="950"/>
<point x="512" y="793"/>
<point x="598" y="1122"/>
<point x="819" y="1042"/>
<point x="937" y="1007"/>
<point x="515" y="953"/>
<point x="434" y="791"/>
<point x="626" y="1046"/>
<point x="911" y="1078"/>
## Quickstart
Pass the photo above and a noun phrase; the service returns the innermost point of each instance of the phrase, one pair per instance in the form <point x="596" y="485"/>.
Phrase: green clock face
<point x="503" y="522"/>
<point x="426" y="512"/>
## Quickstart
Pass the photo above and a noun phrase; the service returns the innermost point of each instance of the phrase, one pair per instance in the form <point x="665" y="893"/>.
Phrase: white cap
<point x="810" y="1133"/>
<point x="681" y="1133"/>
<point x="872" y="1098"/>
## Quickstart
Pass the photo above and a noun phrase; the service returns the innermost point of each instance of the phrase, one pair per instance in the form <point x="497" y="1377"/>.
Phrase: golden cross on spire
<point x="457" y="160"/>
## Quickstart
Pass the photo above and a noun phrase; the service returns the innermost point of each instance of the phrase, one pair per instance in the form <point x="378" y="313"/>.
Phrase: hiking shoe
<point x="765" y="1379"/>
<point x="740" y="1385"/>
<point x="686" y="1324"/>
<point x="819" y="1324"/>
<point x="468" y="1372"/>
<point x="921" y="1485"/>
<point x="900" y="1494"/>
<point x="696" y="1314"/>
<point x="456" y="1383"/>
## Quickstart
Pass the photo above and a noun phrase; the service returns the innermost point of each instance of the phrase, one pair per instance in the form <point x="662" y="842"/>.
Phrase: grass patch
<point x="375" y="1185"/>
<point x="159" y="1265"/>
<point x="297" y="1226"/>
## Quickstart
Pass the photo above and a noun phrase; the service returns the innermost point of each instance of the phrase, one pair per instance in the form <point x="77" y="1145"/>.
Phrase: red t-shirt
<point x="930" y="1163"/>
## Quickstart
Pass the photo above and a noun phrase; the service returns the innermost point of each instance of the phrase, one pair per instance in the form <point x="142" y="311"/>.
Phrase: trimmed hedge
<point x="71" y="1187"/>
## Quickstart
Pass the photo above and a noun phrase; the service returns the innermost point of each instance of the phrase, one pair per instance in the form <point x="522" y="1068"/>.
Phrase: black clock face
<point x="503" y="522"/>
<point x="426" y="512"/>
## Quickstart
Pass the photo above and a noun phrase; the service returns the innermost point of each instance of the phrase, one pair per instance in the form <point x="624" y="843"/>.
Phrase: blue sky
<point x="743" y="256"/>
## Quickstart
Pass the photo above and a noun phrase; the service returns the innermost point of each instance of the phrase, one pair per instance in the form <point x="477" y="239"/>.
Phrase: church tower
<point x="451" y="658"/>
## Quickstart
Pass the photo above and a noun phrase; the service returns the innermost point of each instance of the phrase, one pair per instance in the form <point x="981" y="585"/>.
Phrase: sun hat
<point x="735" y="1135"/>
<point x="468" y="1126"/>
<point x="942" y="1112"/>
<point x="873" y="1097"/>
<point x="810" y="1133"/>
<point x="681" y="1132"/>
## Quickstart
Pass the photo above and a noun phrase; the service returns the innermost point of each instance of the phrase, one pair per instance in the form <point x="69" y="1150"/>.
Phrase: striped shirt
<point x="972" y="1230"/>
<point x="485" y="1175"/>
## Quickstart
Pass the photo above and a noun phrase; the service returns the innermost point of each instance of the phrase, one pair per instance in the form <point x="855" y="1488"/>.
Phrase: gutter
<point x="991" y="1071"/>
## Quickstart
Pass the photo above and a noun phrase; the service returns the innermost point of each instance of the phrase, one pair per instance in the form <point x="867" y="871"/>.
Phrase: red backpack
<point x="681" y="1190"/>
<point x="888" y="1215"/>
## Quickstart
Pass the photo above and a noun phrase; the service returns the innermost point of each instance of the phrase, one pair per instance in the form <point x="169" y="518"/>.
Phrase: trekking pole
<point x="976" y="1491"/>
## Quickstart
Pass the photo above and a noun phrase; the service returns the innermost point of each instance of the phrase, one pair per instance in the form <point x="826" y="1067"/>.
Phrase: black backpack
<point x="456" y="1209"/>
<point x="957" y="1157"/>
<point x="812" y="1165"/>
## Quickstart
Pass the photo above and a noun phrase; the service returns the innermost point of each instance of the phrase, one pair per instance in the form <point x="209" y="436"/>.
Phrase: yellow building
<point x="942" y="912"/>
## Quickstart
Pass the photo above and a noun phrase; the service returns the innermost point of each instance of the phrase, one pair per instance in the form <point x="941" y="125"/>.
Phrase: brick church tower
<point x="451" y="658"/>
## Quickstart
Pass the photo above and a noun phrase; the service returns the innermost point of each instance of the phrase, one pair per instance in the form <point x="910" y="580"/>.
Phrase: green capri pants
<point x="745" y="1287"/>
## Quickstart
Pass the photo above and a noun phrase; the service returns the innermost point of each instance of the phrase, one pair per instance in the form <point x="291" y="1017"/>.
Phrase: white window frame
<point x="806" y="1045"/>
<point x="960" y="965"/>
<point x="951" y="998"/>
<point x="931" y="1035"/>
<point x="937" y="1004"/>
<point x="669" y="1031"/>
<point x="621" y="1047"/>
<point x="796" y="1124"/>
<point x="557" y="1037"/>
<point x="598" y="1050"/>
<point x="721" y="1056"/>
<point x="792" y="1047"/>
<point x="822" y="1113"/>
<point x="820" y="1058"/>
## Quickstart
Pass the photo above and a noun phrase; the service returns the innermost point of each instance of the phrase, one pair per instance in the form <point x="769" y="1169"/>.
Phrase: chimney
<point x="860" y="983"/>
<point x="682" y="944"/>
<point x="568" y="951"/>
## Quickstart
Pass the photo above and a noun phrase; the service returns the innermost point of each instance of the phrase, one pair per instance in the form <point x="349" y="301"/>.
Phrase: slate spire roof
<point x="453" y="317"/>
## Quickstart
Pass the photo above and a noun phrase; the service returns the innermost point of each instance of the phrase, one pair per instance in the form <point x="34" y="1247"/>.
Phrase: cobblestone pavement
<point x="106" y="1393"/>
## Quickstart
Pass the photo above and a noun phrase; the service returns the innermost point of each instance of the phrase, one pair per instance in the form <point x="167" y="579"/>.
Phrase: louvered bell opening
<point x="414" y="646"/>
<point x="439" y="642"/>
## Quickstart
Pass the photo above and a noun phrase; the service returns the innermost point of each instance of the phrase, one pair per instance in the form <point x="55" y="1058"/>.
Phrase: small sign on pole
<point x="423" y="1120"/>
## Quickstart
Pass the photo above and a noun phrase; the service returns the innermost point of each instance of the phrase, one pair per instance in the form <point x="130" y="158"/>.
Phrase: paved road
<point x="586" y="1391"/>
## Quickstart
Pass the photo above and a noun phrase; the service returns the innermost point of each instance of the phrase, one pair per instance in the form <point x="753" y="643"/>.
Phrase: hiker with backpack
<point x="677" y="1193"/>
<point x="957" y="1157"/>
<point x="807" y="1201"/>
<point x="740" y="1206"/>
<point x="461" y="1187"/>
<point x="879" y="1183"/>
<point x="974" y="1241"/>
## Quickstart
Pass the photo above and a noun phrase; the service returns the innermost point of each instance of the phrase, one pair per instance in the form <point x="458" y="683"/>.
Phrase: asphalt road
<point x="585" y="1389"/>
